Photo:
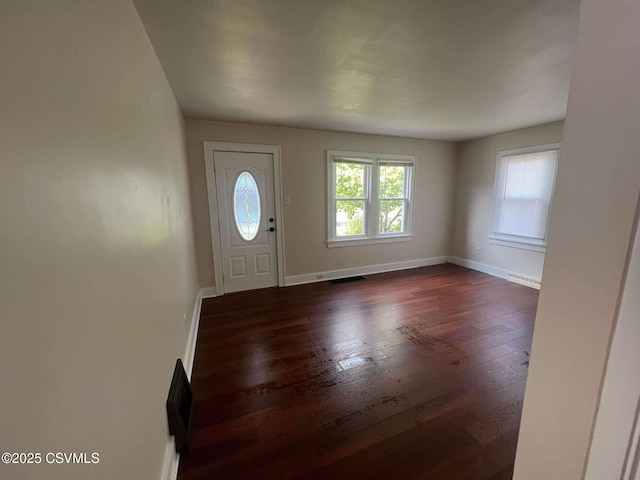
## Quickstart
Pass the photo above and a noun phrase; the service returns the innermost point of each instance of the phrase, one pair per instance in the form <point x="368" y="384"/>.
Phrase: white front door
<point x="247" y="219"/>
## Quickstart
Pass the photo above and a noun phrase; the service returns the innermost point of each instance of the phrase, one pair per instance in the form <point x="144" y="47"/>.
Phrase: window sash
<point x="364" y="200"/>
<point x="405" y="179"/>
<point x="383" y="227"/>
<point x="402" y="217"/>
<point x="362" y="216"/>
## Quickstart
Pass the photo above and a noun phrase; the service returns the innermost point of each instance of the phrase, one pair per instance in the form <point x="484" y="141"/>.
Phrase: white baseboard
<point x="481" y="267"/>
<point x="208" y="292"/>
<point x="171" y="461"/>
<point x="367" y="270"/>
<point x="190" y="351"/>
<point x="171" y="458"/>
<point x="518" y="278"/>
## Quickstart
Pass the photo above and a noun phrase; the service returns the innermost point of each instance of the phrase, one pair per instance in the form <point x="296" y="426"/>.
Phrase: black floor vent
<point x="179" y="407"/>
<point x="348" y="279"/>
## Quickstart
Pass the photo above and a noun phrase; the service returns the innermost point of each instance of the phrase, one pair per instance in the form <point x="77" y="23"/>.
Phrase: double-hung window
<point x="370" y="197"/>
<point x="524" y="186"/>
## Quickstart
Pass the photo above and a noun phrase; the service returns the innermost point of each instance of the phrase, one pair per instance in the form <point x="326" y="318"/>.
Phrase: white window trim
<point x="370" y="237"/>
<point x="514" y="241"/>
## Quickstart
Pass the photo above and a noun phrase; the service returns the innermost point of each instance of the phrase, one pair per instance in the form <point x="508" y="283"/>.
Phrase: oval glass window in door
<point x="246" y="206"/>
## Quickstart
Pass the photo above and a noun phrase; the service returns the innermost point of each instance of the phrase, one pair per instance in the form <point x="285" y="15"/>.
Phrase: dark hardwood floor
<point x="418" y="374"/>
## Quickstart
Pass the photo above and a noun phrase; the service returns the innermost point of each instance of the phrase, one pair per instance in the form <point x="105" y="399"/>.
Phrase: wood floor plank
<point x="412" y="374"/>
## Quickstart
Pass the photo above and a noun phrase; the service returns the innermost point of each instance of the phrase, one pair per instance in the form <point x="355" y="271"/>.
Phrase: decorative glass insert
<point x="246" y="206"/>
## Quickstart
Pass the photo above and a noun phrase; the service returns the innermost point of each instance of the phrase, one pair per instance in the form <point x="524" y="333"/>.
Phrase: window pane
<point x="349" y="180"/>
<point x="349" y="217"/>
<point x="391" y="216"/>
<point x="392" y="181"/>
<point x="246" y="206"/>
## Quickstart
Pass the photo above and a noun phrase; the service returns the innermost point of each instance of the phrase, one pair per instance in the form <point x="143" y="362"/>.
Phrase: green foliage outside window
<point x="391" y="185"/>
<point x="350" y="183"/>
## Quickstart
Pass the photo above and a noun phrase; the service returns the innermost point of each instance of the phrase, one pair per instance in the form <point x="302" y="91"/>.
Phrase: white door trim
<point x="274" y="150"/>
<point x="614" y="452"/>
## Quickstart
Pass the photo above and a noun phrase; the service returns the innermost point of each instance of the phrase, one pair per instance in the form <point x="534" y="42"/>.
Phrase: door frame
<point x="209" y="149"/>
<point x="615" y="434"/>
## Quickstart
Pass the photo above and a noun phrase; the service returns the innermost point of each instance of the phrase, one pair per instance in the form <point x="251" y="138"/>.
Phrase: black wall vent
<point x="347" y="279"/>
<point x="179" y="407"/>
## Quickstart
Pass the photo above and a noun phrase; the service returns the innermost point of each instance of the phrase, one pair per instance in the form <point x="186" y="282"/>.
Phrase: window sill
<point x="522" y="244"/>
<point x="352" y="242"/>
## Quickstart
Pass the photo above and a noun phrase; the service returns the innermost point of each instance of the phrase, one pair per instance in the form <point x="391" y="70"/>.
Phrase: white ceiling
<point x="441" y="69"/>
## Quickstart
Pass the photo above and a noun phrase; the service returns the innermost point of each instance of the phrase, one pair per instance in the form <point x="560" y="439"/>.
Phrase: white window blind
<point x="524" y="189"/>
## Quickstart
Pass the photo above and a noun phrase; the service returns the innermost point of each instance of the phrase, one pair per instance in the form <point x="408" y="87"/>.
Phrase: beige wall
<point x="96" y="267"/>
<point x="304" y="174"/>
<point x="591" y="225"/>
<point x="474" y="200"/>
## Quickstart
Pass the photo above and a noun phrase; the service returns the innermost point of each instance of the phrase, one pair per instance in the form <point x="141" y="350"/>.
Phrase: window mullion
<point x="374" y="201"/>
